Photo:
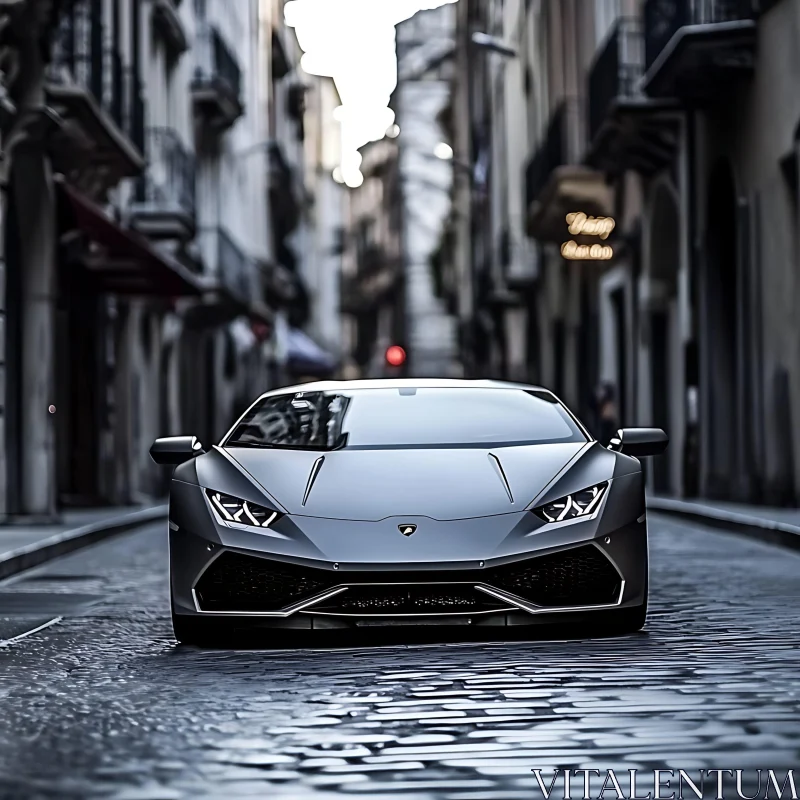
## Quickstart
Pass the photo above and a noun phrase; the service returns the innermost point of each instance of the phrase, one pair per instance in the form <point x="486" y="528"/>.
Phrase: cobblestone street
<point x="102" y="703"/>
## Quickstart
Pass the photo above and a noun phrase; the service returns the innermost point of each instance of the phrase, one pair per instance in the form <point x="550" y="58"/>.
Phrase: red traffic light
<point x="395" y="355"/>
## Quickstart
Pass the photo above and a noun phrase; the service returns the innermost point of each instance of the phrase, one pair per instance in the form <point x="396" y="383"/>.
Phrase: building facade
<point x="392" y="292"/>
<point x="424" y="61"/>
<point x="372" y="287"/>
<point x="155" y="176"/>
<point x="678" y="123"/>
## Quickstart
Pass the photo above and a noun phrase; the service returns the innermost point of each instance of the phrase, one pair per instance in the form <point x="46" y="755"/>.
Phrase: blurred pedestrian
<point x="606" y="410"/>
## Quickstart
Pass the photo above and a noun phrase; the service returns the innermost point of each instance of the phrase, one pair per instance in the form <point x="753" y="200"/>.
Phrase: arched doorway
<point x="720" y="333"/>
<point x="664" y="263"/>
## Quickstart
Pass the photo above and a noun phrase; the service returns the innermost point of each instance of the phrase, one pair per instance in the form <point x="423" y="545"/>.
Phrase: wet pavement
<point x="102" y="703"/>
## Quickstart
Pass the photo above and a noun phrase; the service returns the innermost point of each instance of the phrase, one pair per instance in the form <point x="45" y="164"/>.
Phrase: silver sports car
<point x="406" y="502"/>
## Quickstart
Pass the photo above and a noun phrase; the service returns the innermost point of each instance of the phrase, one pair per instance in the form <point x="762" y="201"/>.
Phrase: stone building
<point x="397" y="218"/>
<point x="155" y="172"/>
<point x="679" y="122"/>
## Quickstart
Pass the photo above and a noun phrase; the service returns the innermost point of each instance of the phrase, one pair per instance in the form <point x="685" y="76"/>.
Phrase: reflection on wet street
<point x="104" y="704"/>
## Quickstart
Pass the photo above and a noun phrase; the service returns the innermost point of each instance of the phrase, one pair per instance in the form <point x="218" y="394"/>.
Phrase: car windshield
<point x="405" y="417"/>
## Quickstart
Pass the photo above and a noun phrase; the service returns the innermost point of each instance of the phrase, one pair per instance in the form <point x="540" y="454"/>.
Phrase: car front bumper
<point x="352" y="593"/>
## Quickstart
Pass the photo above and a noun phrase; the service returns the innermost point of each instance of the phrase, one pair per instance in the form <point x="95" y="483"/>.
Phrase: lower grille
<point x="235" y="582"/>
<point x="425" y="599"/>
<point x="581" y="576"/>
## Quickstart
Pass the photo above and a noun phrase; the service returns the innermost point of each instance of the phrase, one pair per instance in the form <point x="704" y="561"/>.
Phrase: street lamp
<point x="487" y="42"/>
<point x="443" y="151"/>
<point x="252" y="149"/>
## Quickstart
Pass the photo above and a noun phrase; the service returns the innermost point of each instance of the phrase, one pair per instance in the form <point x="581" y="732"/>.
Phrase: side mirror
<point x="640" y="442"/>
<point x="174" y="450"/>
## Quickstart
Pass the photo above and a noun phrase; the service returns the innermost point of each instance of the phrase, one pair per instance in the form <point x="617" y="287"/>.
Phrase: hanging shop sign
<point x="573" y="251"/>
<point x="579" y="223"/>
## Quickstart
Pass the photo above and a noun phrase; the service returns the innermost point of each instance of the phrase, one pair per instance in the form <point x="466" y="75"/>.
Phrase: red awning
<point x="123" y="261"/>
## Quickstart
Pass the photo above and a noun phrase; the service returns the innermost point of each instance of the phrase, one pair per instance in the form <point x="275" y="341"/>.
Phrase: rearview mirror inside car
<point x="174" y="450"/>
<point x="640" y="442"/>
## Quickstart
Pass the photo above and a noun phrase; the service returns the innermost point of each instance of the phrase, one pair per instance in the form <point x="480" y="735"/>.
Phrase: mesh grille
<point x="577" y="577"/>
<point x="430" y="599"/>
<point x="235" y="582"/>
<point x="582" y="576"/>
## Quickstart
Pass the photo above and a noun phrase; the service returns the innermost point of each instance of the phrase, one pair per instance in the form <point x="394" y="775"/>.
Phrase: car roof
<point x="401" y="383"/>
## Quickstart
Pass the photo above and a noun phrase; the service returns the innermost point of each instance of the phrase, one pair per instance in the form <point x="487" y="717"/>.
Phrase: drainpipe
<point x="7" y="111"/>
<point x="463" y="193"/>
<point x="695" y="262"/>
<point x="34" y="196"/>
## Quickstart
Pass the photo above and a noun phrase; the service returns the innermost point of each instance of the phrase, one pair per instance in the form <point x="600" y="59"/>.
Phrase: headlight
<point x="242" y="512"/>
<point x="579" y="504"/>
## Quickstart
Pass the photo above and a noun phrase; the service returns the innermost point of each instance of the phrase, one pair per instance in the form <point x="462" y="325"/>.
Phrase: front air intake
<point x="235" y="582"/>
<point x="581" y="576"/>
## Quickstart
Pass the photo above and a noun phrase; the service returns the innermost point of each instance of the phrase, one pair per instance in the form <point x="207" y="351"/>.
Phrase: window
<point x="606" y="13"/>
<point x="405" y="417"/>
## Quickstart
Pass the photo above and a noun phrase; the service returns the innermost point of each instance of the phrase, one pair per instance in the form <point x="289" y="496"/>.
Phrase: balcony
<point x="627" y="129"/>
<point x="284" y="206"/>
<point x="100" y="102"/>
<point x="696" y="49"/>
<point x="217" y="81"/>
<point x="557" y="184"/>
<point x="236" y="272"/>
<point x="281" y="286"/>
<point x="167" y="21"/>
<point x="232" y="283"/>
<point x="165" y="205"/>
<point x="520" y="261"/>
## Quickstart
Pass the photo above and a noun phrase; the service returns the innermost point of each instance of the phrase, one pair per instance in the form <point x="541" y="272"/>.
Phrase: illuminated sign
<point x="579" y="223"/>
<point x="585" y="252"/>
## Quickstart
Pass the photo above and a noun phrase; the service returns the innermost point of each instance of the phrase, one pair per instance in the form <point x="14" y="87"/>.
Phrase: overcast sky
<point x="353" y="42"/>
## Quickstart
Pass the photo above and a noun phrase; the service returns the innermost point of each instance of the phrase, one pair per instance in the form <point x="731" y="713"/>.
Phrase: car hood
<point x="370" y="485"/>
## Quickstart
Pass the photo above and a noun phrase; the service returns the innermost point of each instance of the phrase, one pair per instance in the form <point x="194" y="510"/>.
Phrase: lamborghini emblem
<point x="406" y="530"/>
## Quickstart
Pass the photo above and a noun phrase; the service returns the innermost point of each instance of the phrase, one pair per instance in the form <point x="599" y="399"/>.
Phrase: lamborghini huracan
<point x="345" y="505"/>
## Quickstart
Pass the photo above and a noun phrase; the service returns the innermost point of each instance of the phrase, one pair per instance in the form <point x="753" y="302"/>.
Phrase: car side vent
<point x="498" y="468"/>
<point x="313" y="476"/>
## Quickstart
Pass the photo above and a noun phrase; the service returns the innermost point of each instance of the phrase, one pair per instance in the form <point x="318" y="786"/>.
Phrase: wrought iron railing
<point x="114" y="88"/>
<point x="80" y="48"/>
<point x="170" y="180"/>
<point x="285" y="208"/>
<point x="616" y="71"/>
<point x="558" y="148"/>
<point x="136" y="105"/>
<point x="663" y="20"/>
<point x="236" y="271"/>
<point x="215" y="63"/>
